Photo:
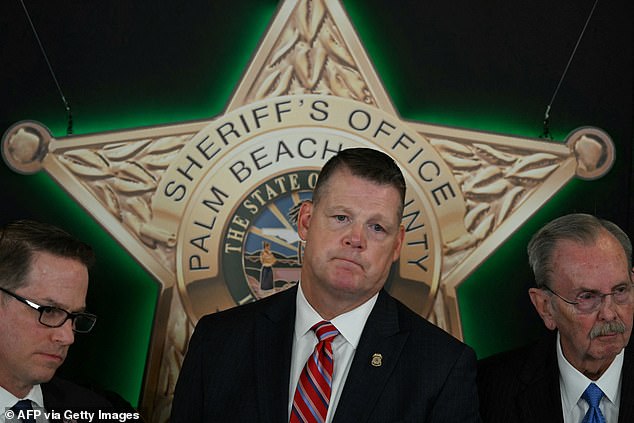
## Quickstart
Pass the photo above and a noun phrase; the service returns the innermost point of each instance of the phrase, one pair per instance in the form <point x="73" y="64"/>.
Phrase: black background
<point x="490" y="66"/>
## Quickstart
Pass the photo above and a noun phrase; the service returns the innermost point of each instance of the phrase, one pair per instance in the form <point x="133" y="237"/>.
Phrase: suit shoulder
<point x="504" y="363"/>
<point x="61" y="392"/>
<point x="276" y="306"/>
<point x="421" y="327"/>
<point x="537" y="354"/>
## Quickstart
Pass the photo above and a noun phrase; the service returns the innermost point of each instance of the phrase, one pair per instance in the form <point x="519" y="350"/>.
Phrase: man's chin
<point x="42" y="376"/>
<point x="609" y="346"/>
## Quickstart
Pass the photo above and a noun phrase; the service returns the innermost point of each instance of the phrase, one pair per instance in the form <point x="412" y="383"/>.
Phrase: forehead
<point x="345" y="189"/>
<point x="56" y="280"/>
<point x="595" y="265"/>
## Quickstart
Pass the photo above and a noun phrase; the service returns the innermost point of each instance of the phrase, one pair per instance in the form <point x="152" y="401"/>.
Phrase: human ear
<point x="541" y="302"/>
<point x="303" y="219"/>
<point x="399" y="243"/>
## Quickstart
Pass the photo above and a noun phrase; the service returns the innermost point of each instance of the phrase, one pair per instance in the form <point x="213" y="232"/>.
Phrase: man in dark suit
<point x="582" y="370"/>
<point x="247" y="364"/>
<point x="43" y="286"/>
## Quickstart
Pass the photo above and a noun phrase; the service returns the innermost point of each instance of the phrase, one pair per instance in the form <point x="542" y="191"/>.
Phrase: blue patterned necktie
<point x="24" y="407"/>
<point x="593" y="395"/>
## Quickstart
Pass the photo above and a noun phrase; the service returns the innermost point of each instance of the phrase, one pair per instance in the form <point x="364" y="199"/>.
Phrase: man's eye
<point x="377" y="228"/>
<point x="586" y="296"/>
<point x="619" y="290"/>
<point x="340" y="218"/>
<point x="53" y="313"/>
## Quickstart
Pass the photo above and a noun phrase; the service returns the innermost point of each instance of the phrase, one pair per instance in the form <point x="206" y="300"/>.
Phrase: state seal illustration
<point x="209" y="207"/>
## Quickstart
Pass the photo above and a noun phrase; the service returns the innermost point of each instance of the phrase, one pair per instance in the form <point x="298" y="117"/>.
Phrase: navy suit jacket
<point x="237" y="368"/>
<point x="61" y="395"/>
<point x="523" y="385"/>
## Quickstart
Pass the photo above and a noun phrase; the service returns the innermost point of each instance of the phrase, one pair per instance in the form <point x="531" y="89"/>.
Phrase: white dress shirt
<point x="8" y="400"/>
<point x="350" y="325"/>
<point x="572" y="384"/>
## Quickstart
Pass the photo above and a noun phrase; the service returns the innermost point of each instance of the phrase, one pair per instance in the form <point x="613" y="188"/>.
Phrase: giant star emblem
<point x="195" y="202"/>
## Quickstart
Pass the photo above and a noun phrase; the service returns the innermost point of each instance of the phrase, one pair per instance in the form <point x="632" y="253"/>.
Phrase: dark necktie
<point x="593" y="395"/>
<point x="312" y="396"/>
<point x="25" y="409"/>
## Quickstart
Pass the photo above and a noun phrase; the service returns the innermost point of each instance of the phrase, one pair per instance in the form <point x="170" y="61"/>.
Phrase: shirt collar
<point x="574" y="383"/>
<point x="350" y="324"/>
<point x="8" y="400"/>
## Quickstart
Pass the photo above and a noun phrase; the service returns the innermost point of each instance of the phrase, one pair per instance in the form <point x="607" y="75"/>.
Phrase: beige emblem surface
<point x="184" y="199"/>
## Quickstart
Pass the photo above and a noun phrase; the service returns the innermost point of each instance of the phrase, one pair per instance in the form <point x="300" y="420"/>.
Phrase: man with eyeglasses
<point x="43" y="286"/>
<point x="584" y="371"/>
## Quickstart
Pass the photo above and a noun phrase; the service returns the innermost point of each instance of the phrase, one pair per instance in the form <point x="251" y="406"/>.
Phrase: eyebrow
<point x="52" y="303"/>
<point x="582" y="289"/>
<point x="379" y="218"/>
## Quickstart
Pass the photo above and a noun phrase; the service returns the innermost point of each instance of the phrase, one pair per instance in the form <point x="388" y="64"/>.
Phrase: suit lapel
<point x="626" y="407"/>
<point x="541" y="400"/>
<point x="366" y="381"/>
<point x="54" y="398"/>
<point x="274" y="342"/>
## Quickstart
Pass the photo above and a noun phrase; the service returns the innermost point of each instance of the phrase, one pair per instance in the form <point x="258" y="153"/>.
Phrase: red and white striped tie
<point x="312" y="396"/>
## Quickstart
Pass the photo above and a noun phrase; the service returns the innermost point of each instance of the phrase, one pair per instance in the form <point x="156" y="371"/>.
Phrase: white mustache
<point x="608" y="328"/>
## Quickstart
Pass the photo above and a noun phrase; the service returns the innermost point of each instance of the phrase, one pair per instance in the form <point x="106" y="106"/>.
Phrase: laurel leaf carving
<point x="461" y="176"/>
<point x="123" y="151"/>
<point x="267" y="84"/>
<point x="309" y="17"/>
<point x="87" y="163"/>
<point x="158" y="234"/>
<point x="474" y="215"/>
<point x="493" y="155"/>
<point x="461" y="243"/>
<point x="166" y="144"/>
<point x="133" y="222"/>
<point x="132" y="178"/>
<point x="462" y="163"/>
<point x="289" y="39"/>
<point x="510" y="201"/>
<point x="302" y="63"/>
<point x="130" y="187"/>
<point x="275" y="84"/>
<point x="158" y="162"/>
<point x="309" y="64"/>
<point x="335" y="83"/>
<point x="484" y="228"/>
<point x="452" y="147"/>
<point x="355" y="83"/>
<point x="534" y="161"/>
<point x="483" y="177"/>
<point x="487" y="192"/>
<point x="532" y="175"/>
<point x="316" y="58"/>
<point x="109" y="198"/>
<point x="136" y="225"/>
<point x="335" y="47"/>
<point x="140" y="208"/>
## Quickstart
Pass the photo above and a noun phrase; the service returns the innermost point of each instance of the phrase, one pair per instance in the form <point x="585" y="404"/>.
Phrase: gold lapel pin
<point x="377" y="360"/>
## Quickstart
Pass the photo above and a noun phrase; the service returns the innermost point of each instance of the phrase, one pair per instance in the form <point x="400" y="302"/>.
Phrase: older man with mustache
<point x="584" y="372"/>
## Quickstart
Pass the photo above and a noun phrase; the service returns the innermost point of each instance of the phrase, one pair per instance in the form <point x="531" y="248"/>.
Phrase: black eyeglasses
<point x="54" y="317"/>
<point x="590" y="301"/>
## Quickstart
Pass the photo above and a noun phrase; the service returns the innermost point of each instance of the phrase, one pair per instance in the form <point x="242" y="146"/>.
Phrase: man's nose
<point x="607" y="308"/>
<point x="64" y="334"/>
<point x="356" y="237"/>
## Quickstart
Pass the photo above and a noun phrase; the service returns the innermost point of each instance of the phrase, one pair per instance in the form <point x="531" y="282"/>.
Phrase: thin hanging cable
<point x="69" y="127"/>
<point x="546" y="133"/>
